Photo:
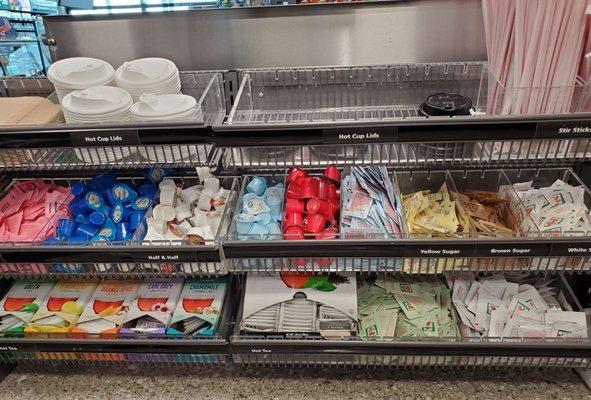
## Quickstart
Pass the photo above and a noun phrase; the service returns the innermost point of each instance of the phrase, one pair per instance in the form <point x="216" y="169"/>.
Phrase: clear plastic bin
<point x="344" y="94"/>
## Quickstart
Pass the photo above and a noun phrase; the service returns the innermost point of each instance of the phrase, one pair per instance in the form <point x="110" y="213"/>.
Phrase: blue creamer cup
<point x="67" y="227"/>
<point x="97" y="218"/>
<point x="123" y="231"/>
<point x="135" y="219"/>
<point x="275" y="205"/>
<point x="118" y="213"/>
<point x="77" y="239"/>
<point x="78" y="189"/>
<point x="93" y="201"/>
<point x="77" y="206"/>
<point x="156" y="175"/>
<point x="82" y="219"/>
<point x="52" y="241"/>
<point x="264" y="218"/>
<point x="274" y="228"/>
<point x="243" y="228"/>
<point x="108" y="231"/>
<point x="147" y="189"/>
<point x="257" y="185"/>
<point x="260" y="230"/>
<point x="87" y="230"/>
<point x="138" y="204"/>
<point x="103" y="181"/>
<point x="121" y="192"/>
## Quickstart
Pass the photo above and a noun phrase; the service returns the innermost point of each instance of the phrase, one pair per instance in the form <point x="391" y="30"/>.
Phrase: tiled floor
<point x="156" y="383"/>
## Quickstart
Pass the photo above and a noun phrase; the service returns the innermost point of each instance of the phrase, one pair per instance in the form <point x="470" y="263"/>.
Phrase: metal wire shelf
<point x="410" y="265"/>
<point x="205" y="86"/>
<point x="92" y="358"/>
<point x="293" y="349"/>
<point x="76" y="348"/>
<point x="65" y="158"/>
<point x="135" y="257"/>
<point x="120" y="270"/>
<point x="408" y="361"/>
<point x="411" y="155"/>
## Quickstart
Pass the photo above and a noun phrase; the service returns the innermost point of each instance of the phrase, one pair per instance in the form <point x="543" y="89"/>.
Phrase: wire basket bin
<point x="206" y="87"/>
<point x="345" y="94"/>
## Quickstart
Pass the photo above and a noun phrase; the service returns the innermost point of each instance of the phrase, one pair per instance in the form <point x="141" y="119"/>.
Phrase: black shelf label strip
<point x="563" y="130"/>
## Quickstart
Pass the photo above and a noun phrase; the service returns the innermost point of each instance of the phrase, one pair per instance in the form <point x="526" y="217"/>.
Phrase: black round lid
<point x="446" y="104"/>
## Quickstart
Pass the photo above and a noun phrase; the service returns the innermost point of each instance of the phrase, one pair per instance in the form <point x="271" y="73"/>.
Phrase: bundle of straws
<point x="537" y="50"/>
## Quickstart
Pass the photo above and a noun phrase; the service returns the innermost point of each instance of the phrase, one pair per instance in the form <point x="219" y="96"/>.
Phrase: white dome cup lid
<point x="96" y="100"/>
<point x="80" y="72"/>
<point x="145" y="72"/>
<point x="163" y="105"/>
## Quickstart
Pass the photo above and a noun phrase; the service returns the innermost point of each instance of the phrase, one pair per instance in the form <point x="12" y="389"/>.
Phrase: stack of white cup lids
<point x="94" y="105"/>
<point x="148" y="75"/>
<point x="151" y="107"/>
<point x="162" y="107"/>
<point x="79" y="73"/>
<point x="97" y="104"/>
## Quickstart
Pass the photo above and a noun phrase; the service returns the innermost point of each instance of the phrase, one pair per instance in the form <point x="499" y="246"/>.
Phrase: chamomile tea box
<point x="62" y="307"/>
<point x="21" y="302"/>
<point x="106" y="310"/>
<point x="198" y="310"/>
<point x="151" y="310"/>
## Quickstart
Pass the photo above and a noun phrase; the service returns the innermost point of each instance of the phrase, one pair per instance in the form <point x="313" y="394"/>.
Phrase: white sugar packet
<point x="486" y="304"/>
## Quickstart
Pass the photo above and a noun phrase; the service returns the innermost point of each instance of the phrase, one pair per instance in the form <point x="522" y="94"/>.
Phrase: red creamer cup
<point x="332" y="174"/>
<point x="294" y="219"/>
<point x="315" y="223"/>
<point x="295" y="173"/>
<point x="333" y="192"/>
<point x="294" y="233"/>
<point x="311" y="188"/>
<point x="324" y="190"/>
<point x="335" y="207"/>
<point x="294" y="206"/>
<point x="318" y="206"/>
<point x="294" y="190"/>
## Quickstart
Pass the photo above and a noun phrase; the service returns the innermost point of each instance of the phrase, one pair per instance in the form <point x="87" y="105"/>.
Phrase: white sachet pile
<point x="494" y="307"/>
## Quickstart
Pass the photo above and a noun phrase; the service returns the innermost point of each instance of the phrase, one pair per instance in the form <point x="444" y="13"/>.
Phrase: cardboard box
<point x="301" y="302"/>
<point x="199" y="308"/>
<point x="21" y="302"/>
<point x="62" y="307"/>
<point x="151" y="310"/>
<point x="107" y="308"/>
<point x="29" y="110"/>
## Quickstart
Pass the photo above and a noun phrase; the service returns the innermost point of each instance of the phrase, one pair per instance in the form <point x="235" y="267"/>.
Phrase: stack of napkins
<point x="21" y="302"/>
<point x="199" y="308"/>
<point x="107" y="308"/>
<point x="62" y="307"/>
<point x="370" y="204"/>
<point x="495" y="307"/>
<point x="406" y="307"/>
